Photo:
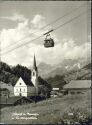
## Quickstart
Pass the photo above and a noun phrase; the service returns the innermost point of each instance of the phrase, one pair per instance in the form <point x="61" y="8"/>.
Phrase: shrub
<point x="75" y="116"/>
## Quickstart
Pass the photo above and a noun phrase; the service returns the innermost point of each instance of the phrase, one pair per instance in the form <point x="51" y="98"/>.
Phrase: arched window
<point x="33" y="73"/>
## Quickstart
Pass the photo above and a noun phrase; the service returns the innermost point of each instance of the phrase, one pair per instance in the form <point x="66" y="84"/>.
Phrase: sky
<point x="23" y="21"/>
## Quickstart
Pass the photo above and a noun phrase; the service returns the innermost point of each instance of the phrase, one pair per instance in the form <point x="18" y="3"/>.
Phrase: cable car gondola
<point x="48" y="42"/>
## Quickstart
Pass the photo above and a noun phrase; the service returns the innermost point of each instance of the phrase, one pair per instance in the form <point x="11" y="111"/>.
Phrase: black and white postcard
<point x="45" y="62"/>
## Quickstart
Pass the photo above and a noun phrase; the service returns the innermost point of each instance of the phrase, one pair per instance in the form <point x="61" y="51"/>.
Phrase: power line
<point x="69" y="21"/>
<point x="72" y="11"/>
<point x="42" y="35"/>
<point x="22" y="45"/>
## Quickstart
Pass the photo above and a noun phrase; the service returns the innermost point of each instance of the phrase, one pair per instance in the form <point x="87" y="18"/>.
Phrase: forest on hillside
<point x="10" y="75"/>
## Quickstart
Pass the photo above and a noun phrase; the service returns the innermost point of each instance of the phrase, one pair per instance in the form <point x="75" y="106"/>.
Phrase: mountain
<point x="88" y="66"/>
<point x="67" y="65"/>
<point x="47" y="70"/>
<point x="44" y="69"/>
<point x="83" y="73"/>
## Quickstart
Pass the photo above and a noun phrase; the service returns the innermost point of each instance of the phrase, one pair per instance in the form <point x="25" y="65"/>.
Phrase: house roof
<point x="78" y="84"/>
<point x="55" y="89"/>
<point x="4" y="89"/>
<point x="8" y="86"/>
<point x="22" y="81"/>
<point x="12" y="100"/>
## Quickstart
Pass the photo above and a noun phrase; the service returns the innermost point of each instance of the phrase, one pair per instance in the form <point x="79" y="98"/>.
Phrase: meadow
<point x="68" y="108"/>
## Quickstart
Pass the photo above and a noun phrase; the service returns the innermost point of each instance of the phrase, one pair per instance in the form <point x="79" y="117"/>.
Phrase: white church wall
<point x="31" y="91"/>
<point x="33" y="81"/>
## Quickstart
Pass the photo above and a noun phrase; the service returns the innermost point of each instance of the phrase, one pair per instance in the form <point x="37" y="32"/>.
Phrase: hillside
<point x="9" y="76"/>
<point x="51" y="111"/>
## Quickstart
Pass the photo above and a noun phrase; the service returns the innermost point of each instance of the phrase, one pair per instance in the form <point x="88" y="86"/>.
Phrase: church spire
<point x="34" y="63"/>
<point x="34" y="74"/>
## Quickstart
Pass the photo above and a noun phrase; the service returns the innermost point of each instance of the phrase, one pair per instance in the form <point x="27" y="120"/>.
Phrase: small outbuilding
<point x="13" y="101"/>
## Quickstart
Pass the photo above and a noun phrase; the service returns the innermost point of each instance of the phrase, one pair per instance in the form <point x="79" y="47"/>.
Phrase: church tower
<point x="34" y="74"/>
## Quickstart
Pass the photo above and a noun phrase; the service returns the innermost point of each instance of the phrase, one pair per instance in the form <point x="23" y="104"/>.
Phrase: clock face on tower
<point x="33" y="73"/>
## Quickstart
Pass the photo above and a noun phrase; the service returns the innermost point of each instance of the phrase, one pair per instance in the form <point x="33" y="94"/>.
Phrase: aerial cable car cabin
<point x="48" y="42"/>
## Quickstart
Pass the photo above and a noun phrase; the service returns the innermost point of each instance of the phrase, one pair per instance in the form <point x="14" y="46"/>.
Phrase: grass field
<point x="53" y="110"/>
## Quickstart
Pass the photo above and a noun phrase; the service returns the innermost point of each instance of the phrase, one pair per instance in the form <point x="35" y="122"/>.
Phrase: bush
<point x="75" y="116"/>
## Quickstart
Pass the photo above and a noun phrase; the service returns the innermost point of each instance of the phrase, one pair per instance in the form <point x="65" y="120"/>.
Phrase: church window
<point x="33" y="73"/>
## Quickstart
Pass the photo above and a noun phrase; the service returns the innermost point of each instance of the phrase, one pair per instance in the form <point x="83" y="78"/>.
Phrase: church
<point x="22" y="89"/>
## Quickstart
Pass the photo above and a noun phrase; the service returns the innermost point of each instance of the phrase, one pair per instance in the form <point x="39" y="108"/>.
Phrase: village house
<point x="4" y="92"/>
<point x="22" y="89"/>
<point x="13" y="101"/>
<point x="78" y="87"/>
<point x="6" y="88"/>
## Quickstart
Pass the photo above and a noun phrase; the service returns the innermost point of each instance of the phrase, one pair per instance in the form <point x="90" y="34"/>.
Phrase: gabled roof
<point x="78" y="84"/>
<point x="22" y="81"/>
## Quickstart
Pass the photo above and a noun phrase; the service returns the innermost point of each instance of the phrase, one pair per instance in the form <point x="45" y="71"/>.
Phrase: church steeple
<point x="34" y="63"/>
<point x="34" y="74"/>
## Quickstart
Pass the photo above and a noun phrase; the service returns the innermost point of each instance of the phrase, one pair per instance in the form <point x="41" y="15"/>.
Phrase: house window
<point x="20" y="89"/>
<point x="78" y="92"/>
<point x="72" y="93"/>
